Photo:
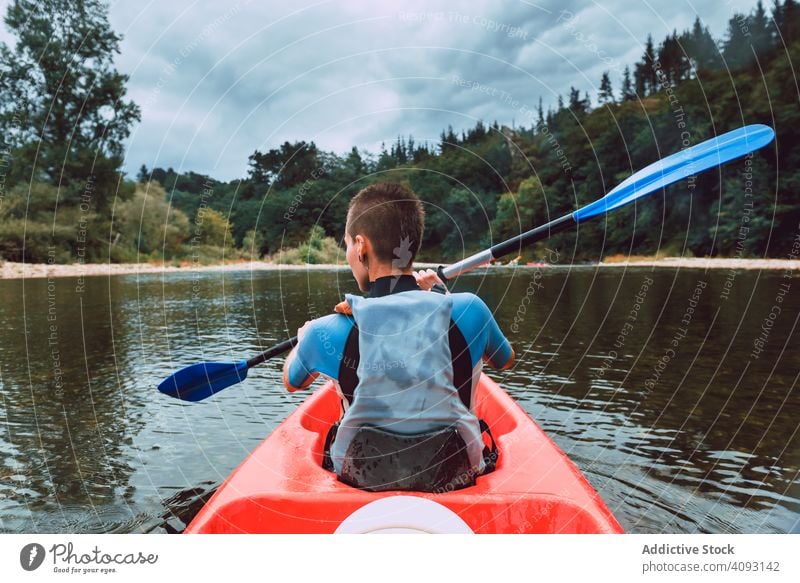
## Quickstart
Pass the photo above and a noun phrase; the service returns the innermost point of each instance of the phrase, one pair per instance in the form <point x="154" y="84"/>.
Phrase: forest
<point x="64" y="196"/>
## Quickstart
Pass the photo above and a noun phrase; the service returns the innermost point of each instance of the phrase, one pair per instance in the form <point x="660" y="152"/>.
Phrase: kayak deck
<point x="282" y="488"/>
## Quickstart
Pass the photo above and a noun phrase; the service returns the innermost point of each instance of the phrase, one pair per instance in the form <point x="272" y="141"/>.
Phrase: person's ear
<point x="362" y="247"/>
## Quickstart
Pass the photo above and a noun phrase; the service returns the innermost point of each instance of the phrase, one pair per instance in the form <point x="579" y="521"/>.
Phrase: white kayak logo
<point x="31" y="556"/>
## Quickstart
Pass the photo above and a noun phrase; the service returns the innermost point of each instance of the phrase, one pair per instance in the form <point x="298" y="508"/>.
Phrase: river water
<point x="673" y="390"/>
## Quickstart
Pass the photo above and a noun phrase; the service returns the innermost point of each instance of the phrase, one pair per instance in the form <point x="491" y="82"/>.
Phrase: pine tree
<point x="355" y="163"/>
<point x="701" y="48"/>
<point x="540" y="112"/>
<point x="760" y="36"/>
<point x="791" y="18"/>
<point x="575" y="100"/>
<point x="777" y="23"/>
<point x="650" y="64"/>
<point x="640" y="78"/>
<point x="605" y="94"/>
<point x="399" y="152"/>
<point x="644" y="73"/>
<point x="448" y="140"/>
<point x="671" y="57"/>
<point x="627" y="93"/>
<point x="787" y="18"/>
<point x="385" y="159"/>
<point x="737" y="51"/>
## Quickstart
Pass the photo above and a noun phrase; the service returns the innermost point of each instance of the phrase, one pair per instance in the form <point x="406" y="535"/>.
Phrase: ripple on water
<point x="673" y="459"/>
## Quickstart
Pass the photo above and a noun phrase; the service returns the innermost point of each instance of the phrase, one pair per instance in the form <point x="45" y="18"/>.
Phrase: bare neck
<point x="382" y="270"/>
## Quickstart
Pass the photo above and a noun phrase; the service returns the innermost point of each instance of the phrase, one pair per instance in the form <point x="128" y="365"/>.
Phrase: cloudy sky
<point x="218" y="80"/>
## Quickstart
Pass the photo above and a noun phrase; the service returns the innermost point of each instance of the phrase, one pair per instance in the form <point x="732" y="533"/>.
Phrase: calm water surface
<point x="674" y="391"/>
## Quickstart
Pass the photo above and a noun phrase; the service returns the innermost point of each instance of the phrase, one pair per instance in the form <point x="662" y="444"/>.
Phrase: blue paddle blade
<point x="200" y="381"/>
<point x="683" y="164"/>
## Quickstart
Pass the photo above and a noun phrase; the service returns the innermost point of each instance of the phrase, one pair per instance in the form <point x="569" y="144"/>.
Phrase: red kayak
<point x="282" y="488"/>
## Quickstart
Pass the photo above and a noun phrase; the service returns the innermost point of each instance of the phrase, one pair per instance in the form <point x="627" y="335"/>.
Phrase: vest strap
<point x="490" y="453"/>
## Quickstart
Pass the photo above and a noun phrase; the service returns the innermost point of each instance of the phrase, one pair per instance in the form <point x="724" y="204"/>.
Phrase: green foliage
<point x="35" y="242"/>
<point x="212" y="228"/>
<point x="148" y="226"/>
<point x="478" y="187"/>
<point x="317" y="249"/>
<point x="35" y="228"/>
<point x="284" y="167"/>
<point x="516" y="211"/>
<point x="252" y="244"/>
<point x="63" y="116"/>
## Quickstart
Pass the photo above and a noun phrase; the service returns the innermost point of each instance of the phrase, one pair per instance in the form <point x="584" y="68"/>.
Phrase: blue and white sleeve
<point x="320" y="351"/>
<point x="498" y="353"/>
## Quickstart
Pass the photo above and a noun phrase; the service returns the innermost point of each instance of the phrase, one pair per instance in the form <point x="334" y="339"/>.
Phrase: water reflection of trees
<point x="64" y="405"/>
<point x="730" y="422"/>
<point x="703" y="443"/>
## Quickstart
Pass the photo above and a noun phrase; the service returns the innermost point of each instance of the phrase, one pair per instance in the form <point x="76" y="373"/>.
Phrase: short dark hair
<point x="391" y="216"/>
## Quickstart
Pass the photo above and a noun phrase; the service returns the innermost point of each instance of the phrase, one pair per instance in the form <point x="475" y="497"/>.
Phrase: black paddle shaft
<point x="515" y="244"/>
<point x="284" y="346"/>
<point x="536" y="234"/>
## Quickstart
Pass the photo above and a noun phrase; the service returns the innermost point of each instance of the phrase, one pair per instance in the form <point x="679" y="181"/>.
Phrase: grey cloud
<point x="252" y="75"/>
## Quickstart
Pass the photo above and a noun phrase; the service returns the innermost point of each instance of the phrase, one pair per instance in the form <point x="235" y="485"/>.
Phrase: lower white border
<point x="402" y="558"/>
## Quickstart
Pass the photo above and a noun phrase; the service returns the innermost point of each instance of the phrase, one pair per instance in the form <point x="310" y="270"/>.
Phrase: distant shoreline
<point x="709" y="263"/>
<point x="10" y="270"/>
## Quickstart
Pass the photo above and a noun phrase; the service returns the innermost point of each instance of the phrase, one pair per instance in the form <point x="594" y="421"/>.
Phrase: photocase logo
<point x="31" y="556"/>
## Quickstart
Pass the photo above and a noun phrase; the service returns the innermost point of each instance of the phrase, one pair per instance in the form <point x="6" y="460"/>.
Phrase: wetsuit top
<point x="331" y="347"/>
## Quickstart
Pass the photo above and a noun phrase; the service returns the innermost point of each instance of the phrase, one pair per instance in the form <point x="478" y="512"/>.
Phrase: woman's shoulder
<point x="467" y="299"/>
<point x="467" y="302"/>
<point x="333" y="324"/>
